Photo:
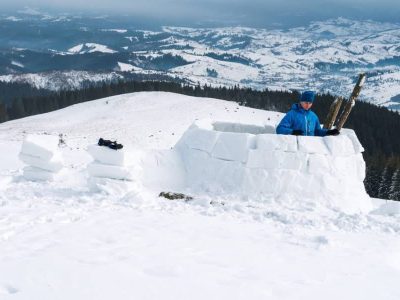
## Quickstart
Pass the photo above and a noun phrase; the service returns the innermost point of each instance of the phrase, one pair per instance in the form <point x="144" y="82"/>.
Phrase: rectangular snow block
<point x="361" y="166"/>
<point x="340" y="145"/>
<point x="194" y="160"/>
<point x="358" y="148"/>
<point x="308" y="185"/>
<point x="312" y="144"/>
<point x="293" y="160"/>
<point x="108" y="171"/>
<point x="254" y="180"/>
<point x="107" y="156"/>
<point x="271" y="186"/>
<point x="319" y="164"/>
<point x="265" y="159"/>
<point x="333" y="185"/>
<point x="243" y="128"/>
<point x="349" y="166"/>
<point x="200" y="139"/>
<point x="36" y="174"/>
<point x="273" y="159"/>
<point x="43" y="146"/>
<point x="256" y="158"/>
<point x="272" y="142"/>
<point x="53" y="165"/>
<point x="344" y="166"/>
<point x="230" y="175"/>
<point x="232" y="146"/>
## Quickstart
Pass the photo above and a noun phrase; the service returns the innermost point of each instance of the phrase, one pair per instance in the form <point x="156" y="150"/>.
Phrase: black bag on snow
<point x="110" y="144"/>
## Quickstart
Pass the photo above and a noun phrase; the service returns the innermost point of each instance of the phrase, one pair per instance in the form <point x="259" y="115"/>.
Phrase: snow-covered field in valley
<point x="78" y="237"/>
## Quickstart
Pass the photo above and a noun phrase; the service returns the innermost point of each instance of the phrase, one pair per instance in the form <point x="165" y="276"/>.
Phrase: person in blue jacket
<point x="301" y="120"/>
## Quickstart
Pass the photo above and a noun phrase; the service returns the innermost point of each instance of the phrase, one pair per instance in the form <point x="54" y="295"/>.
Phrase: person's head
<point x="307" y="99"/>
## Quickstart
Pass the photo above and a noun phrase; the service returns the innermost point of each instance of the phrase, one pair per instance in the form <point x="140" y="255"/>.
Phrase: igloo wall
<point x="250" y="160"/>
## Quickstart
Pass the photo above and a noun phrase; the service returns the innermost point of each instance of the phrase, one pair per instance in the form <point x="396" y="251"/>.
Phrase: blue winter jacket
<point x="300" y="119"/>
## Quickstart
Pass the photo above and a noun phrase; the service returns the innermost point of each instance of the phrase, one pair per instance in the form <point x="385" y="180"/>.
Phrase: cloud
<point x="239" y="12"/>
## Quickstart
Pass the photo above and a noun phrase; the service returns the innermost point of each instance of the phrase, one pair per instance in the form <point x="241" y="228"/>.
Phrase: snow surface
<point x="79" y="238"/>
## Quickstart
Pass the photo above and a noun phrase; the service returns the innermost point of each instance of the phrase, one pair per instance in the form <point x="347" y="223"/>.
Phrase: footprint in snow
<point x="8" y="289"/>
<point x="320" y="241"/>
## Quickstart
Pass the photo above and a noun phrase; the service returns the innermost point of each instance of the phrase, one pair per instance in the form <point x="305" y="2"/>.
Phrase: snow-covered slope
<point x="66" y="240"/>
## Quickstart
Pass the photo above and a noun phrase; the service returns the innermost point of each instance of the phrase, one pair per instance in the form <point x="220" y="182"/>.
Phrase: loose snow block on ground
<point x="37" y="174"/>
<point x="108" y="171"/>
<point x="328" y="170"/>
<point x="42" y="146"/>
<point x="53" y="165"/>
<point x="40" y="153"/>
<point x="107" y="156"/>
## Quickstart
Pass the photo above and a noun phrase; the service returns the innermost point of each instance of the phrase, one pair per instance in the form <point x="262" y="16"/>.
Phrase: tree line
<point x="377" y="127"/>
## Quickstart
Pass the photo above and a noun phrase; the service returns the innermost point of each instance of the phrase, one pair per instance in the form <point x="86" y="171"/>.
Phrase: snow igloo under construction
<point x="253" y="161"/>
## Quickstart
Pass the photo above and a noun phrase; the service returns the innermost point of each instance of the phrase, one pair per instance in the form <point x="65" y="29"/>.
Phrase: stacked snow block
<point x="259" y="162"/>
<point x="108" y="163"/>
<point x="41" y="154"/>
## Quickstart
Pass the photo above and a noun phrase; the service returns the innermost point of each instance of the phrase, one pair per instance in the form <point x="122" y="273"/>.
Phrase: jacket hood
<point x="298" y="107"/>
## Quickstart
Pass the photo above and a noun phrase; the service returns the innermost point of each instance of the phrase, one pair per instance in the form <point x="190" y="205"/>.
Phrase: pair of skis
<point x="348" y="105"/>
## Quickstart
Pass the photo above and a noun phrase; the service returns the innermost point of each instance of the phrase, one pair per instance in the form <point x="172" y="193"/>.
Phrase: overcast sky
<point x="259" y="13"/>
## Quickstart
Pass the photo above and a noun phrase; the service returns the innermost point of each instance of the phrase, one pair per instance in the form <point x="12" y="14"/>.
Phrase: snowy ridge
<point x="55" y="81"/>
<point x="101" y="240"/>
<point x="90" y="48"/>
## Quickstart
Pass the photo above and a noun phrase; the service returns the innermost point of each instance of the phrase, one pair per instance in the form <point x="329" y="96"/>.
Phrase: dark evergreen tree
<point x="394" y="192"/>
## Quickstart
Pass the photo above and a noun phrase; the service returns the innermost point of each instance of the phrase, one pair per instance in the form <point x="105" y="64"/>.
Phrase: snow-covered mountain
<point x="326" y="55"/>
<point x="66" y="240"/>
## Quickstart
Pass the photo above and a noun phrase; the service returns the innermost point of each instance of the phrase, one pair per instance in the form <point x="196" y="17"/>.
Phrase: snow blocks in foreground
<point x="254" y="162"/>
<point x="41" y="154"/>
<point x="108" y="163"/>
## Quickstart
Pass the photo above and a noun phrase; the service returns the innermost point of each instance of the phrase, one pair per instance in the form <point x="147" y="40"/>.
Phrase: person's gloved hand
<point x="333" y="132"/>
<point x="297" y="132"/>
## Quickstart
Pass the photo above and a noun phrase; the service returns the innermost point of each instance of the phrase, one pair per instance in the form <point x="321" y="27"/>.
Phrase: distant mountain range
<point x="65" y="51"/>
